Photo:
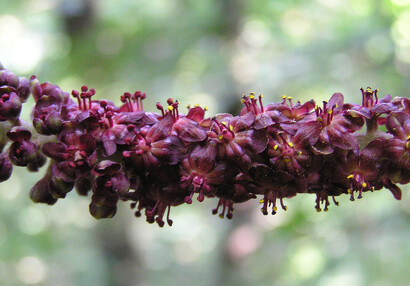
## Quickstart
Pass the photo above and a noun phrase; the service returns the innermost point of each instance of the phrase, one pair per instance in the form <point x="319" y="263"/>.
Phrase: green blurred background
<point x="207" y="52"/>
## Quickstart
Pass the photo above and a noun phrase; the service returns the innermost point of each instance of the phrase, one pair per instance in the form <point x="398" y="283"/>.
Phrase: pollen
<point x="206" y="108"/>
<point x="223" y="123"/>
<point x="349" y="191"/>
<point x="299" y="153"/>
<point x="220" y="137"/>
<point x="261" y="201"/>
<point x="261" y="95"/>
<point x="364" y="185"/>
<point x="170" y="108"/>
<point x="289" y="97"/>
<point x="329" y="111"/>
<point x="275" y="147"/>
<point x="242" y="100"/>
<point x="290" y="144"/>
<point x="230" y="128"/>
<point x="283" y="96"/>
<point x="275" y="208"/>
<point x="350" y="176"/>
<point x="252" y="96"/>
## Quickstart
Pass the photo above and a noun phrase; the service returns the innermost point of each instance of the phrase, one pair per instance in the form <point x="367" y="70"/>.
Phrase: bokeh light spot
<point x="31" y="270"/>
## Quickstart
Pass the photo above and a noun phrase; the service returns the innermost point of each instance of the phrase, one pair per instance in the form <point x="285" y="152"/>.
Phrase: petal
<point x="55" y="151"/>
<point x="308" y="132"/>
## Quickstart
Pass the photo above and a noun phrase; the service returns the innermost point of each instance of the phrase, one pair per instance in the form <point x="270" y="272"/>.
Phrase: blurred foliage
<point x="207" y="52"/>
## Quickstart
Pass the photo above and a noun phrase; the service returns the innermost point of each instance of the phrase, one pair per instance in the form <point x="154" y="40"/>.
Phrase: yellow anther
<point x="275" y="147"/>
<point x="326" y="209"/>
<point x="290" y="144"/>
<point x="275" y="208"/>
<point x="285" y="208"/>
<point x="283" y="96"/>
<point x="364" y="185"/>
<point x="368" y="89"/>
<point x="319" y="119"/>
<point x="252" y="93"/>
<point x="230" y="128"/>
<point x="318" y="210"/>
<point x="206" y="108"/>
<point x="252" y="96"/>
<point x="407" y="145"/>
<point x="350" y="176"/>
<point x="329" y="111"/>
<point x="377" y="89"/>
<point x="221" y="216"/>
<point x="196" y="105"/>
<point x="242" y="100"/>
<point x="261" y="201"/>
<point x="316" y="107"/>
<point x="261" y="95"/>
<point x="220" y="137"/>
<point x="349" y="191"/>
<point x="223" y="123"/>
<point x="299" y="153"/>
<point x="408" y="137"/>
<point x="170" y="108"/>
<point x="336" y="106"/>
<point x="287" y="160"/>
<point x="188" y="106"/>
<point x="372" y="189"/>
<point x="289" y="97"/>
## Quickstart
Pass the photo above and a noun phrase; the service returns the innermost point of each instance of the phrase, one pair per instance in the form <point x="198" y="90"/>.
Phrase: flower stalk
<point x="157" y="161"/>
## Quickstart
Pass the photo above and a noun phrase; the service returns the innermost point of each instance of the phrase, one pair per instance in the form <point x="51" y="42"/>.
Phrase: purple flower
<point x="200" y="173"/>
<point x="23" y="152"/>
<point x="109" y="184"/>
<point x="398" y="148"/>
<point x="6" y="167"/>
<point x="152" y="146"/>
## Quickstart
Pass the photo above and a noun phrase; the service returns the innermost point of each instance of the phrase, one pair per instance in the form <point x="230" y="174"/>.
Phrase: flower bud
<point x="5" y="167"/>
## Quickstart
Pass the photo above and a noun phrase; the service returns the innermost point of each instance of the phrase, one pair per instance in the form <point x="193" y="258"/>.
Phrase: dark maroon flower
<point x="6" y="167"/>
<point x="40" y="192"/>
<point x="398" y="148"/>
<point x="10" y="104"/>
<point x="360" y="172"/>
<point x="200" y="173"/>
<point x="274" y="185"/>
<point x="372" y="108"/>
<point x="153" y="147"/>
<point x="332" y="128"/>
<point x="109" y="185"/>
<point x="234" y="140"/>
<point x="288" y="153"/>
<point x="160" y="193"/>
<point x="23" y="152"/>
<point x="76" y="149"/>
